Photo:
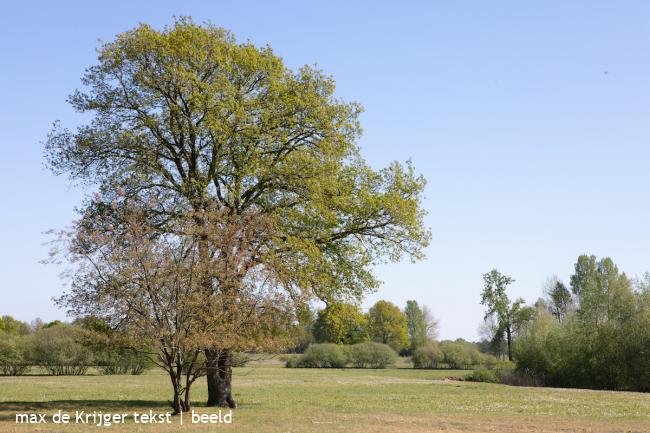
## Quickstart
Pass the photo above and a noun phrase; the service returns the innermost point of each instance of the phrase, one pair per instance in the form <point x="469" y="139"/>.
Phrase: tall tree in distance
<point x="509" y="316"/>
<point x="415" y="324"/>
<point x="421" y="324"/>
<point x="558" y="299"/>
<point x="603" y="293"/>
<point x="187" y="123"/>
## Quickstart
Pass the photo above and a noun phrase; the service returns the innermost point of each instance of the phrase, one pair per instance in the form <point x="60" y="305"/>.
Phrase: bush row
<point x="459" y="355"/>
<point x="330" y="355"/>
<point x="64" y="349"/>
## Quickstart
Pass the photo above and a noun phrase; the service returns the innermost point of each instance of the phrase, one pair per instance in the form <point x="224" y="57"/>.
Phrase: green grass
<point x="277" y="399"/>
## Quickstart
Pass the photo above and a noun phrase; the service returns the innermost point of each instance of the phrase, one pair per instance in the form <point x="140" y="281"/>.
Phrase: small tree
<point x="510" y="316"/>
<point x="145" y="285"/>
<point x="387" y="324"/>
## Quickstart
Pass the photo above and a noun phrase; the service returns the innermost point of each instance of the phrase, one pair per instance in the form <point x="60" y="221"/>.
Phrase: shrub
<point x="122" y="362"/>
<point x="58" y="349"/>
<point x="372" y="355"/>
<point x="461" y="354"/>
<point x="13" y="355"/>
<point x="501" y="372"/>
<point x="515" y="378"/>
<point x="457" y="355"/>
<point x="326" y="355"/>
<point x="291" y="361"/>
<point x="503" y="367"/>
<point x="482" y="374"/>
<point x="427" y="356"/>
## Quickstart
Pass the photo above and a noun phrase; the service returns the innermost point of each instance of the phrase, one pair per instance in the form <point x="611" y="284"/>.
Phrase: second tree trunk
<point x="219" y="377"/>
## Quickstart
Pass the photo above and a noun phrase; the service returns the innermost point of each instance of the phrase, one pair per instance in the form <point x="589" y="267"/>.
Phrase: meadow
<point x="276" y="399"/>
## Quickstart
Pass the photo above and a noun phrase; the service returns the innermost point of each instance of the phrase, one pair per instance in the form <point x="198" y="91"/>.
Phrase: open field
<point x="275" y="399"/>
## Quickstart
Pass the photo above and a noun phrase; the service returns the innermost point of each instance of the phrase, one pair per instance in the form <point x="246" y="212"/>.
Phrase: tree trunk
<point x="219" y="377"/>
<point x="176" y="402"/>
<point x="509" y="335"/>
<point x="181" y="399"/>
<point x="186" y="399"/>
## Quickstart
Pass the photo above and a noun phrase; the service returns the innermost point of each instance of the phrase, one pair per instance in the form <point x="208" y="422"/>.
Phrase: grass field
<point x="275" y="399"/>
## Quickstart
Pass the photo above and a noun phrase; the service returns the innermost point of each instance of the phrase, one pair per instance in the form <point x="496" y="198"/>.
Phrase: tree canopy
<point x="191" y="117"/>
<point x="340" y="323"/>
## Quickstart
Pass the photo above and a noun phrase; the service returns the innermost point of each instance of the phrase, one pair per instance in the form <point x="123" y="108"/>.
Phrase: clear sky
<point x="529" y="121"/>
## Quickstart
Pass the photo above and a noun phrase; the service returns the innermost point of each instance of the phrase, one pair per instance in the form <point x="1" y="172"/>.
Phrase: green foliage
<point x="560" y="300"/>
<point x="510" y="316"/>
<point x="14" y="352"/>
<point x="191" y="116"/>
<point x="483" y="374"/>
<point x="603" y="292"/>
<point x="121" y="362"/>
<point x="604" y="345"/>
<point x="302" y="329"/>
<point x="388" y="324"/>
<point x="371" y="355"/>
<point x="326" y="355"/>
<point x="110" y="354"/>
<point x="496" y="372"/>
<point x="458" y="354"/>
<point x="417" y="327"/>
<point x="15" y="327"/>
<point x="291" y="360"/>
<point x="340" y="323"/>
<point x="461" y="354"/>
<point x="428" y="355"/>
<point x="60" y="351"/>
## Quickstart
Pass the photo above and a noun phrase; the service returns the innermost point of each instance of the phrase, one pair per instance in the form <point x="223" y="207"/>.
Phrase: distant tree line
<point x="338" y="335"/>
<point x="65" y="349"/>
<point x="342" y="335"/>
<point x="592" y="333"/>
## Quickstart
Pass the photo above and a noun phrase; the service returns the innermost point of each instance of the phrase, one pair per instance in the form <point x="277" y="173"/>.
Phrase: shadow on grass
<point x="9" y="409"/>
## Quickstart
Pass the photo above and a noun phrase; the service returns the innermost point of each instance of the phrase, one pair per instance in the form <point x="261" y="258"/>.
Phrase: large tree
<point x="510" y="316"/>
<point x="186" y="122"/>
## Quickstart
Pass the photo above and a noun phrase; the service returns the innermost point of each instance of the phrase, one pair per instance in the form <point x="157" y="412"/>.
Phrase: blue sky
<point x="529" y="121"/>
